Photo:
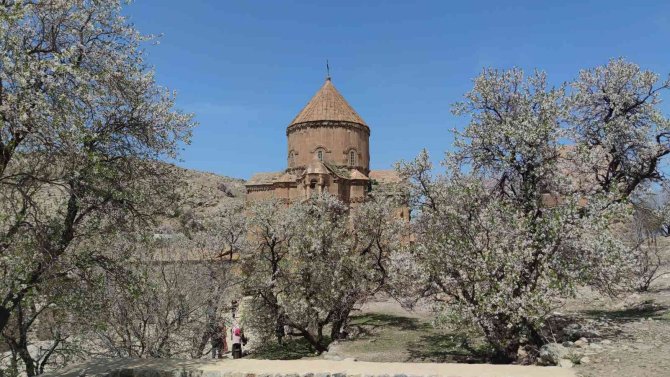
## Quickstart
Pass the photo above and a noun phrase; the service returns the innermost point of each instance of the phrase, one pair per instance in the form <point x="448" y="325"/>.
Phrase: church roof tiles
<point x="264" y="178"/>
<point x="328" y="104"/>
<point x="385" y="176"/>
<point x="355" y="174"/>
<point x="316" y="167"/>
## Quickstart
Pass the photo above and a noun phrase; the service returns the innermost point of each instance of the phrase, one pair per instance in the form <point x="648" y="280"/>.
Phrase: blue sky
<point x="246" y="68"/>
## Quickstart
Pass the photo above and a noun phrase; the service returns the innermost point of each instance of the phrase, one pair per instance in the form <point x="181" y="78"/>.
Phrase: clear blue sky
<point x="246" y="68"/>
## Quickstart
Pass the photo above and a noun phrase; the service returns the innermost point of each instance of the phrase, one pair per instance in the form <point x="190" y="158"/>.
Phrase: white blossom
<point x="533" y="198"/>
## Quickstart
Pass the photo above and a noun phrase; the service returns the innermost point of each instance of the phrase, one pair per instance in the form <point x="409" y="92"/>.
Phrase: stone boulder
<point x="552" y="353"/>
<point x="331" y="356"/>
<point x="575" y="331"/>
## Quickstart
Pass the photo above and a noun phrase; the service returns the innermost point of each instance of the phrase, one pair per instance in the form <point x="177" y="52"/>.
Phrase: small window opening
<point x="352" y="158"/>
<point x="319" y="155"/>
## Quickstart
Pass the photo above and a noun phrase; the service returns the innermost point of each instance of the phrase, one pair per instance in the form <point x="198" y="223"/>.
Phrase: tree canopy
<point x="83" y="125"/>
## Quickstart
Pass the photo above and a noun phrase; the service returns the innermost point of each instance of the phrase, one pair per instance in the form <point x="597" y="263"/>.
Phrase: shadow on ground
<point x="446" y="349"/>
<point x="290" y="349"/>
<point x="423" y="342"/>
<point x="385" y="337"/>
<point x="646" y="309"/>
<point x="373" y="321"/>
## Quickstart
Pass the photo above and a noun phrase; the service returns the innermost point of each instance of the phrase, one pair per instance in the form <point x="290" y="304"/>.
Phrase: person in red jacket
<point x="238" y="339"/>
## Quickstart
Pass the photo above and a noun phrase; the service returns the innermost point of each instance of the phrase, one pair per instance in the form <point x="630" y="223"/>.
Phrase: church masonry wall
<point x="336" y="140"/>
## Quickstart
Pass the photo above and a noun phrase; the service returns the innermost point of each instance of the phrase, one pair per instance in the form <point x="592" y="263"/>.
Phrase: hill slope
<point x="202" y="195"/>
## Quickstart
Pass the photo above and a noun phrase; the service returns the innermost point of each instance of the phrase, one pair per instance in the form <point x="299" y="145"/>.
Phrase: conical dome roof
<point x="328" y="104"/>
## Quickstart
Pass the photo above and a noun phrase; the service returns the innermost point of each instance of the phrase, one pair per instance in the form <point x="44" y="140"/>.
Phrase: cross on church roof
<point x="327" y="70"/>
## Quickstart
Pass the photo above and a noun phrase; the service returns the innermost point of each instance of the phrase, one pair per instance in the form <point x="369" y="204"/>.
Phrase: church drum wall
<point x="335" y="140"/>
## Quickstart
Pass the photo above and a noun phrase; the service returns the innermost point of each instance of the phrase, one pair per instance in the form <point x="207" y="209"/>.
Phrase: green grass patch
<point x="444" y="348"/>
<point x="290" y="349"/>
<point x="375" y="320"/>
<point x="384" y="337"/>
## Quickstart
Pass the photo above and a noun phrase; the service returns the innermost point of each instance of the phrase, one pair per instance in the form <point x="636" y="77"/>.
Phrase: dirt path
<point x="295" y="368"/>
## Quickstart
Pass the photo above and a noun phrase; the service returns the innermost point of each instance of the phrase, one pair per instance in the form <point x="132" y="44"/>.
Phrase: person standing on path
<point x="219" y="345"/>
<point x="237" y="336"/>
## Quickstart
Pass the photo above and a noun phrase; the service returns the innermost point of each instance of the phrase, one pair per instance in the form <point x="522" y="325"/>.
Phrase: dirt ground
<point x="626" y="336"/>
<point x="634" y="332"/>
<point x="294" y="368"/>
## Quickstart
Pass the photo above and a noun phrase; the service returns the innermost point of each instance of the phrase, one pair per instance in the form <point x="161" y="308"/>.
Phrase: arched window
<point x="352" y="158"/>
<point x="319" y="154"/>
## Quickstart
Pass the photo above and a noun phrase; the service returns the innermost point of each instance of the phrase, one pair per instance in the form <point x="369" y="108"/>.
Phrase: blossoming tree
<point x="531" y="197"/>
<point x="315" y="261"/>
<point x="82" y="123"/>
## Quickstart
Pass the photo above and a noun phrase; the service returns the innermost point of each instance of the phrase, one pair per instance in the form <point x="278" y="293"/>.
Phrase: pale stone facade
<point x="328" y="151"/>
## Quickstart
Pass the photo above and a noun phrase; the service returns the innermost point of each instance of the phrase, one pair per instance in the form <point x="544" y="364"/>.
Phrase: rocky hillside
<point x="202" y="195"/>
<point x="206" y="191"/>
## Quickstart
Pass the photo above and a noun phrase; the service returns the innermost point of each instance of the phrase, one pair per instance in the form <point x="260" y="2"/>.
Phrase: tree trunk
<point x="506" y="343"/>
<point x="336" y="330"/>
<point x="4" y="317"/>
<point x="28" y="361"/>
<point x="279" y="329"/>
<point x="534" y="336"/>
<point x="507" y="354"/>
<point x="315" y="342"/>
<point x="339" y="323"/>
<point x="20" y="348"/>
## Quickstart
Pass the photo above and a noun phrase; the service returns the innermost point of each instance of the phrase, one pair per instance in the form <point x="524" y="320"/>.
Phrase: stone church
<point x="328" y="151"/>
